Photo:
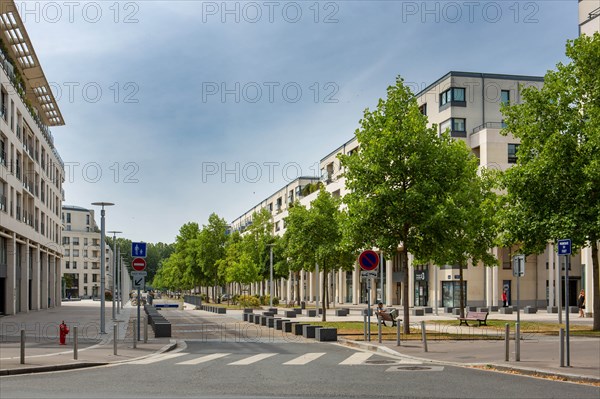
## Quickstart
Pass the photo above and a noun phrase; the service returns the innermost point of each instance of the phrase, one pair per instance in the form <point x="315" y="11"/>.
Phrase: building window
<point x="85" y="278"/>
<point x="67" y="252"/>
<point x="68" y="217"/>
<point x="85" y="241"/>
<point x="67" y="265"/>
<point x="75" y="240"/>
<point x="457" y="127"/>
<point x="87" y="219"/>
<point x="76" y="253"/>
<point x="505" y="97"/>
<point x="453" y="96"/>
<point x="66" y="240"/>
<point x="94" y="278"/>
<point x="74" y="265"/>
<point x="423" y="109"/>
<point x="85" y="265"/>
<point x="512" y="152"/>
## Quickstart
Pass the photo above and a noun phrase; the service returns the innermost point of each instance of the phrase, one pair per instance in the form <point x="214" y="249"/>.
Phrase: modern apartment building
<point x="82" y="257"/>
<point x="589" y="17"/>
<point x="468" y="105"/>
<point x="31" y="175"/>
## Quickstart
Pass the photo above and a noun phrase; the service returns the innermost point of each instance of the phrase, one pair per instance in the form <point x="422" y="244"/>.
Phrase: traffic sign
<point x="368" y="273"/>
<point x="368" y="260"/>
<point x="138" y="249"/>
<point x="519" y="265"/>
<point x="138" y="264"/>
<point x="139" y="274"/>
<point x="564" y="247"/>
<point x="139" y="283"/>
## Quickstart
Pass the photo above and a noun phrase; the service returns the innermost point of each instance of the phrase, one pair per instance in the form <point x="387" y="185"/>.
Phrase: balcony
<point x="489" y="125"/>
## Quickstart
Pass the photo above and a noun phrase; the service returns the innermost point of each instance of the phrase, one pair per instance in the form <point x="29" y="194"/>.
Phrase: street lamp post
<point x="115" y="272"/>
<point x="270" y="274"/>
<point x="102" y="262"/>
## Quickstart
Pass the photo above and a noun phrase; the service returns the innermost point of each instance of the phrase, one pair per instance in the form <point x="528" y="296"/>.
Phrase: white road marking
<point x="159" y="358"/>
<point x="306" y="358"/>
<point x="357" y="358"/>
<point x="252" y="359"/>
<point x="204" y="359"/>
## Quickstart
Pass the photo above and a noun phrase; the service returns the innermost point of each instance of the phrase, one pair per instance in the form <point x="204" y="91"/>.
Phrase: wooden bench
<point x="387" y="316"/>
<point x="480" y="317"/>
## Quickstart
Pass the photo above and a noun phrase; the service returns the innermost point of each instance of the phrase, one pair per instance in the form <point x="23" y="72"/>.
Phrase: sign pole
<point x="568" y="351"/>
<point x="369" y="308"/>
<point x="139" y="299"/>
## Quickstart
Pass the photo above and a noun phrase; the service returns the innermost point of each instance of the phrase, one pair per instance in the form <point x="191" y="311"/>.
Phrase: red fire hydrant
<point x="63" y="330"/>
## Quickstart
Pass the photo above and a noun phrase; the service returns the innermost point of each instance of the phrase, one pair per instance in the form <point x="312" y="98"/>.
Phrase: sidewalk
<point x="539" y="353"/>
<point x="42" y="349"/>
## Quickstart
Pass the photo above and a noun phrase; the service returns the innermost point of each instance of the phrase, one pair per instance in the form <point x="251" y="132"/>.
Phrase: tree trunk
<point x="462" y="293"/>
<point x="595" y="285"/>
<point x="298" y="287"/>
<point x="404" y="260"/>
<point x="324" y="290"/>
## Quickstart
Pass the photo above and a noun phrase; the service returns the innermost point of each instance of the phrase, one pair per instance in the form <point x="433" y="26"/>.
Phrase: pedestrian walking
<point x="505" y="298"/>
<point x="581" y="303"/>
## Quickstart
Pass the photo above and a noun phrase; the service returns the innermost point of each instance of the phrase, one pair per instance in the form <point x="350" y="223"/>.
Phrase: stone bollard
<point x="22" y="346"/>
<point x="75" y="343"/>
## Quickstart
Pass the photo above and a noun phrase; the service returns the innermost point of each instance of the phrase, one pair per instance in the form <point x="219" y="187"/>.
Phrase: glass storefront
<point x="451" y="293"/>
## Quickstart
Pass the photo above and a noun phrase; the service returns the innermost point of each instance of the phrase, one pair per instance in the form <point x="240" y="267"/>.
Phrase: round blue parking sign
<point x="368" y="260"/>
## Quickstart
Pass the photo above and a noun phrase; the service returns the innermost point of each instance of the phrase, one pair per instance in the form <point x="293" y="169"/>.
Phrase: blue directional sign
<point x="564" y="247"/>
<point x="138" y="249"/>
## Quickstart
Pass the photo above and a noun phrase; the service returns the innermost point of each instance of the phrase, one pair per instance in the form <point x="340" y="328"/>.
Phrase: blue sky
<point x="177" y="109"/>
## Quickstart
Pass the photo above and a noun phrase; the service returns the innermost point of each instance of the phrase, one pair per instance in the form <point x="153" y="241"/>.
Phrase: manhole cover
<point x="381" y="362"/>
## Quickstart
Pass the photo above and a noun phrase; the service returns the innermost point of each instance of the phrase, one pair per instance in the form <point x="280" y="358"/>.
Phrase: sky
<point x="178" y="109"/>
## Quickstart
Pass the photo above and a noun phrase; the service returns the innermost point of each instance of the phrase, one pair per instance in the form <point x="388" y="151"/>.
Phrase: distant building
<point x="589" y="17"/>
<point x="31" y="175"/>
<point x="82" y="257"/>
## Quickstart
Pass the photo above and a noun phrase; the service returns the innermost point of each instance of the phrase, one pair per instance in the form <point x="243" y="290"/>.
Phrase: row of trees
<point x="414" y="190"/>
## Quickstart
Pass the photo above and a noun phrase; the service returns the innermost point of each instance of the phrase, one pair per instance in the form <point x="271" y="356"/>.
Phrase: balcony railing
<point x="489" y="125"/>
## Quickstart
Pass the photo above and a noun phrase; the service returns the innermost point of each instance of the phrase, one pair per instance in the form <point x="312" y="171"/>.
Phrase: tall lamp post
<point x="102" y="262"/>
<point x="115" y="270"/>
<point x="270" y="274"/>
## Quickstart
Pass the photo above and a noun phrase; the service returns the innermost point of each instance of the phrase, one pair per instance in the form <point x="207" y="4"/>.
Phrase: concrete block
<point x="271" y="321"/>
<point x="493" y="308"/>
<point x="250" y="317"/>
<point x="308" y="331"/>
<point x="417" y="312"/>
<point x="257" y="318"/>
<point x="290" y="313"/>
<point x="245" y="316"/>
<point x="471" y="308"/>
<point x="573" y="309"/>
<point x="326" y="334"/>
<point x="428" y="310"/>
<point x="273" y="310"/>
<point x="456" y="311"/>
<point x="268" y="314"/>
<point x="366" y="312"/>
<point x="298" y="310"/>
<point x="481" y="309"/>
<point x="529" y="310"/>
<point x="279" y="324"/>
<point x="298" y="328"/>
<point x="448" y="309"/>
<point x="263" y="320"/>
<point x="552" y="309"/>
<point x="341" y="312"/>
<point x="221" y="310"/>
<point x="248" y="310"/>
<point x="288" y="326"/>
<point x="507" y="310"/>
<point x="162" y="329"/>
<point x="311" y="313"/>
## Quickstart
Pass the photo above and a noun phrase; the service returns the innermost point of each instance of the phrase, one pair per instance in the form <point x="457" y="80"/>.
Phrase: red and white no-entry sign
<point x="138" y="264"/>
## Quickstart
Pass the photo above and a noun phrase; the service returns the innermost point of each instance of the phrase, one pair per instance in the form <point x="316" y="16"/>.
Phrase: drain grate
<point x="415" y="368"/>
<point x="381" y="362"/>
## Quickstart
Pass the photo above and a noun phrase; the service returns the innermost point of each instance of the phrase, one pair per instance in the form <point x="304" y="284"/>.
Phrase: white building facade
<point x="82" y="258"/>
<point x="31" y="175"/>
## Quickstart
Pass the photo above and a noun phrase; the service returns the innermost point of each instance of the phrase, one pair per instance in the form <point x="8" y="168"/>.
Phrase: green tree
<point x="554" y="190"/>
<point x="314" y="236"/>
<point x="209" y="248"/>
<point x="397" y="180"/>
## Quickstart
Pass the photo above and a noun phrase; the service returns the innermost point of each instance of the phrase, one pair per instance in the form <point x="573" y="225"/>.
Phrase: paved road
<point x="221" y="365"/>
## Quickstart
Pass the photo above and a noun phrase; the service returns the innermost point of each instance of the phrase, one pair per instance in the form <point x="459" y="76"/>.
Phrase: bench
<point x="480" y="317"/>
<point x="388" y="316"/>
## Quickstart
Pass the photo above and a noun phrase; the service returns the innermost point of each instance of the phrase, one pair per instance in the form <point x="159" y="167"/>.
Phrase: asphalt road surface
<point x="217" y="369"/>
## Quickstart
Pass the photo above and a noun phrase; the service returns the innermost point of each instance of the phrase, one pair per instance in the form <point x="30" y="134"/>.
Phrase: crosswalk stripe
<point x="159" y="358"/>
<point x="357" y="358"/>
<point x="252" y="359"/>
<point x="204" y="359"/>
<point x="306" y="358"/>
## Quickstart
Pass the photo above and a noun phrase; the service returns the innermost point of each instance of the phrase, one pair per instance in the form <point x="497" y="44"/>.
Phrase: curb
<point x="480" y="366"/>
<point x="73" y="366"/>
